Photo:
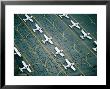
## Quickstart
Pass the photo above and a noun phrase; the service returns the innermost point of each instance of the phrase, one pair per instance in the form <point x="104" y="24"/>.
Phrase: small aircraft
<point x="58" y="51"/>
<point x="17" y="52"/>
<point x="38" y="28"/>
<point x="85" y="35"/>
<point x="25" y="67"/>
<point x="28" y="18"/>
<point x="47" y="39"/>
<point x="74" y="25"/>
<point x="69" y="65"/>
<point x="64" y="15"/>
<point x="95" y="49"/>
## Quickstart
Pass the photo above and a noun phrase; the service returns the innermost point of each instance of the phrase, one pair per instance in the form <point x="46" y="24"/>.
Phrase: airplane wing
<point x="17" y="52"/>
<point x="45" y="36"/>
<point x="56" y="49"/>
<point x="83" y="32"/>
<point x="67" y="61"/>
<point x="29" y="69"/>
<point x="50" y="41"/>
<point x="62" y="54"/>
<point x="72" y="22"/>
<point x="78" y="25"/>
<point x="31" y="20"/>
<point x="24" y="63"/>
<point x="89" y="37"/>
<point x="72" y="67"/>
<point x="37" y="26"/>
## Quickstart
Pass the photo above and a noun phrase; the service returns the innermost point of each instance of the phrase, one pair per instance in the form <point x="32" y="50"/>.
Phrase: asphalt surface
<point x="41" y="56"/>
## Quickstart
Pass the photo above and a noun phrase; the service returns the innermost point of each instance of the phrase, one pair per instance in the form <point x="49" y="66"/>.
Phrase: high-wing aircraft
<point x="25" y="67"/>
<point x="69" y="65"/>
<point x="28" y="18"/>
<point x="38" y="28"/>
<point x="85" y="35"/>
<point x="47" y="39"/>
<point x="74" y="25"/>
<point x="17" y="52"/>
<point x="58" y="51"/>
<point x="95" y="49"/>
<point x="64" y="15"/>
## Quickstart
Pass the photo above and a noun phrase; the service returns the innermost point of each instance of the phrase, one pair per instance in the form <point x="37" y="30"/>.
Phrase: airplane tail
<point x="24" y="20"/>
<point x="82" y="37"/>
<point x="64" y="66"/>
<point x="21" y="69"/>
<point x="70" y="26"/>
<point x="34" y="30"/>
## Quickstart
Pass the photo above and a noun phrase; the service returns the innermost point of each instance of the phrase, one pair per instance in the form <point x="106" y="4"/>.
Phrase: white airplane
<point x="17" y="52"/>
<point x="58" y="51"/>
<point x="38" y="28"/>
<point x="64" y="15"/>
<point x="95" y="49"/>
<point x="69" y="65"/>
<point x="25" y="67"/>
<point x="47" y="39"/>
<point x="74" y="25"/>
<point x="85" y="35"/>
<point x="28" y="18"/>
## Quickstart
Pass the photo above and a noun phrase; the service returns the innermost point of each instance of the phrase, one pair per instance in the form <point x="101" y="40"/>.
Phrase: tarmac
<point x="41" y="56"/>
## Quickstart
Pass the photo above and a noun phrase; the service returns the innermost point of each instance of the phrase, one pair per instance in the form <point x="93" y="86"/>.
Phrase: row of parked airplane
<point x="84" y="34"/>
<point x="25" y="66"/>
<point x="49" y="40"/>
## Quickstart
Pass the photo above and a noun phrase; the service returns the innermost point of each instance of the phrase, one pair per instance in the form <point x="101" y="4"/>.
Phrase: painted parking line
<point x="32" y="51"/>
<point x="54" y="42"/>
<point x="83" y="28"/>
<point x="78" y="37"/>
<point x="24" y="57"/>
<point x="66" y="39"/>
<point x="41" y="44"/>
